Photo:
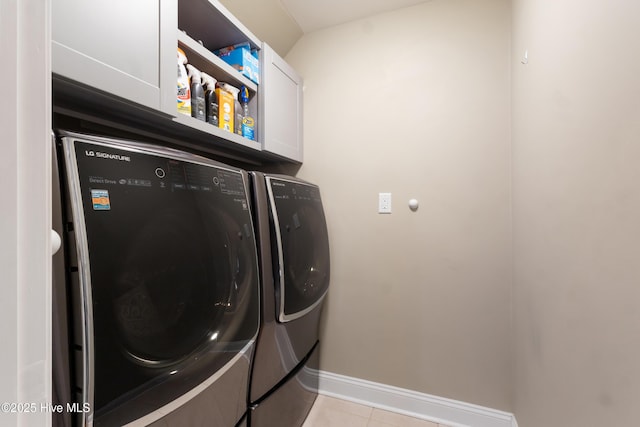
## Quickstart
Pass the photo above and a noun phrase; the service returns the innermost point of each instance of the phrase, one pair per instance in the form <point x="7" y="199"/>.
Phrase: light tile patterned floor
<point x="330" y="412"/>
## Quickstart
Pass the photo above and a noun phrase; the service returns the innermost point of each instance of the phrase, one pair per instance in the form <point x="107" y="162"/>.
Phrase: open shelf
<point x="205" y="60"/>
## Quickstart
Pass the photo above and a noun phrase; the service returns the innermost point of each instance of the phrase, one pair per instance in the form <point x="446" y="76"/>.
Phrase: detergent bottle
<point x="210" y="99"/>
<point x="226" y="105"/>
<point x="248" y="123"/>
<point x="237" y="108"/>
<point x="197" y="93"/>
<point x="183" y="90"/>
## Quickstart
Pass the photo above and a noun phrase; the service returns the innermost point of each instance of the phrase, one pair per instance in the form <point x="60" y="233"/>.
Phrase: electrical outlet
<point x="384" y="203"/>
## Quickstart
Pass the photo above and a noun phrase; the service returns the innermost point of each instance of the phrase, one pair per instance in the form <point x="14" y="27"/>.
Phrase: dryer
<point x="161" y="278"/>
<point x="295" y="271"/>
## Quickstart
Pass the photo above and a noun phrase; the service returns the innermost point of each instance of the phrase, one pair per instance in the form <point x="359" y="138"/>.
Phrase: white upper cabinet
<point x="125" y="52"/>
<point x="121" y="47"/>
<point x="280" y="107"/>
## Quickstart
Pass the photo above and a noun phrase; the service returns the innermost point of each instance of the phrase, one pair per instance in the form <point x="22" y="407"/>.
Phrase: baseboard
<point x="419" y="405"/>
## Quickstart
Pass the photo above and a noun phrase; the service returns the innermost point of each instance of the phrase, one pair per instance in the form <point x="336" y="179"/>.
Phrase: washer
<point x="161" y="278"/>
<point x="295" y="269"/>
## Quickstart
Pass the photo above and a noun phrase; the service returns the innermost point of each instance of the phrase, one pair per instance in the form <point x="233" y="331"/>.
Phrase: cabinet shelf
<point x="205" y="60"/>
<point x="211" y="22"/>
<point x="216" y="131"/>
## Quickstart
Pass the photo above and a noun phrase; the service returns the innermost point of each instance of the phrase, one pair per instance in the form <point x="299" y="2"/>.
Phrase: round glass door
<point x="173" y="288"/>
<point x="306" y="255"/>
<point x="301" y="231"/>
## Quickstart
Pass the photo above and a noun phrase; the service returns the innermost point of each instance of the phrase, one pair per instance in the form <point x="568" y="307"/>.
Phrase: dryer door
<point x="303" y="245"/>
<point x="169" y="276"/>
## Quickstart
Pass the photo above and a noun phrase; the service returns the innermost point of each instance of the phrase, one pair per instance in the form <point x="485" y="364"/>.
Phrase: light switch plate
<point x="384" y="203"/>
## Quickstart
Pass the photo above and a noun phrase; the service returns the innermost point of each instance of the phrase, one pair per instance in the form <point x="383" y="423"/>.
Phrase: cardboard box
<point x="241" y="58"/>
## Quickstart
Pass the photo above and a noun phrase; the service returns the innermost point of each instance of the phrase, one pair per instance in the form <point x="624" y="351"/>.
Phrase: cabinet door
<point x="121" y="47"/>
<point x="281" y="106"/>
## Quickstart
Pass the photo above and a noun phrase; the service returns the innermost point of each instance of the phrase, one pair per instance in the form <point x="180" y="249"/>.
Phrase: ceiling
<point x="313" y="15"/>
<point x="281" y="23"/>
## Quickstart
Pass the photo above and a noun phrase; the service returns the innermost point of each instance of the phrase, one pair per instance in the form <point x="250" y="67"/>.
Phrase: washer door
<point x="173" y="274"/>
<point x="300" y="231"/>
<point x="174" y="286"/>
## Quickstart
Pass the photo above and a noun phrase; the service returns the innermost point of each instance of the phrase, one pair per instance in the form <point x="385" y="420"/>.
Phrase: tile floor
<point x="331" y="412"/>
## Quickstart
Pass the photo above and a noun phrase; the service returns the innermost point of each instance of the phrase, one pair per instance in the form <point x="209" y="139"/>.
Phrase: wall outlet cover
<point x="384" y="203"/>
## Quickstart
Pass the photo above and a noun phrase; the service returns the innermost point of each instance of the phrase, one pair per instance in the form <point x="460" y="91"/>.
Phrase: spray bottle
<point x="210" y="99"/>
<point x="183" y="90"/>
<point x="226" y="96"/>
<point x="238" y="109"/>
<point x="197" y="93"/>
<point x="248" y="123"/>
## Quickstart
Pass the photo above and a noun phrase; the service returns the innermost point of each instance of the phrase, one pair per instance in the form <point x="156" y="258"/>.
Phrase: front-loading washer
<point x="295" y="270"/>
<point x="161" y="279"/>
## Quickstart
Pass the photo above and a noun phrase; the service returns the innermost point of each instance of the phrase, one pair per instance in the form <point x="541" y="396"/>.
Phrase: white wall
<point x="576" y="142"/>
<point x="415" y="102"/>
<point x="25" y="171"/>
<point x="268" y="20"/>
